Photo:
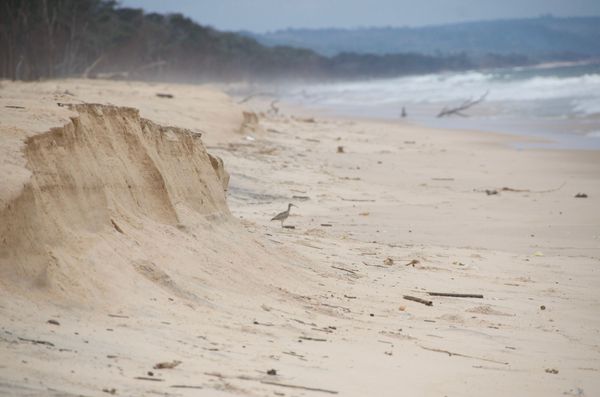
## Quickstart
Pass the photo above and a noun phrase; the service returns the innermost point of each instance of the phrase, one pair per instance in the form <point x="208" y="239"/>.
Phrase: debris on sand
<point x="340" y="149"/>
<point x="413" y="262"/>
<point x="581" y="195"/>
<point x="37" y="342"/>
<point x="419" y="300"/>
<point x="388" y="261"/>
<point x="455" y="295"/>
<point x="167" y="365"/>
<point x="150" y="379"/>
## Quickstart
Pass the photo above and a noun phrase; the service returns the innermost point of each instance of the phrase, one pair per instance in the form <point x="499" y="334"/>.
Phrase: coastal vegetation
<point x="42" y="39"/>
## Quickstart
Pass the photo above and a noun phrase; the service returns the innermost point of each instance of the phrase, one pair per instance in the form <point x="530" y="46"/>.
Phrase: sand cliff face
<point x="104" y="171"/>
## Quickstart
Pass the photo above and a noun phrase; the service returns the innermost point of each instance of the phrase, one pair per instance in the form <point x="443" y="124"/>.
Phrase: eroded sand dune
<point x="113" y="205"/>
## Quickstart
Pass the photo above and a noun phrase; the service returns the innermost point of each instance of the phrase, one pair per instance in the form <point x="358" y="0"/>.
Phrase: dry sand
<point x="115" y="227"/>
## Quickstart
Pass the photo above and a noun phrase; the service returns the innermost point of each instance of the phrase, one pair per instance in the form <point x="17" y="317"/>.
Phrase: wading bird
<point x="282" y="216"/>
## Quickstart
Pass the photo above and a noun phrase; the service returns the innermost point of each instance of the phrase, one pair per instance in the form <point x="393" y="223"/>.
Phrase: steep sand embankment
<point x="112" y="205"/>
<point x="104" y="170"/>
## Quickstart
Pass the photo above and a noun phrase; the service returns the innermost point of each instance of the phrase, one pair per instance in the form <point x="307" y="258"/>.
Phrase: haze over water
<point x="560" y="103"/>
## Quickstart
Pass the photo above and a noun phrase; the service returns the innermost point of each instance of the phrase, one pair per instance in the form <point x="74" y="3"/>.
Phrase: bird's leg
<point x="282" y="223"/>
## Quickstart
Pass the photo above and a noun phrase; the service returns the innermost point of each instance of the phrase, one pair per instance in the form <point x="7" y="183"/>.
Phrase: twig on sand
<point x="510" y="189"/>
<point x="186" y="387"/>
<point x="117" y="228"/>
<point x="268" y="382"/>
<point x="358" y="200"/>
<point x="453" y="295"/>
<point x="415" y="299"/>
<point x="461" y="355"/>
<point x="37" y="342"/>
<point x="150" y="379"/>
<point x="366" y="264"/>
<point x="346" y="270"/>
<point x="313" y="339"/>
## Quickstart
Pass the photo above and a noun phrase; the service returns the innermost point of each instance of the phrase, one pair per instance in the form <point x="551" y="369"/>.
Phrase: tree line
<point x="42" y="39"/>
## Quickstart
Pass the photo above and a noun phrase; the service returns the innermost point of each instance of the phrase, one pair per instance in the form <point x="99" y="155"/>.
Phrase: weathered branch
<point x="274" y="109"/>
<point x="469" y="103"/>
<point x="415" y="299"/>
<point x="316" y="389"/>
<point x="453" y="295"/>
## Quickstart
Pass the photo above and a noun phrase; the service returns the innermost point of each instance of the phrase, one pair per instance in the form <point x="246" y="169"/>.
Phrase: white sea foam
<point x="576" y="94"/>
<point x="561" y="104"/>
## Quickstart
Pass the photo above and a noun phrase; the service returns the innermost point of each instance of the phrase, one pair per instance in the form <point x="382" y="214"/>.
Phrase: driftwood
<point x="186" y="387"/>
<point x="117" y="228"/>
<point x="167" y="365"/>
<point x="346" y="270"/>
<point x="449" y="353"/>
<point x="150" y="379"/>
<point x="313" y="339"/>
<point x="358" y="200"/>
<point x="490" y="192"/>
<point x="37" y="342"/>
<point x="415" y="299"/>
<point x="117" y="315"/>
<point x="469" y="103"/>
<point x="268" y="382"/>
<point x="274" y="109"/>
<point x="453" y="295"/>
<point x="366" y="264"/>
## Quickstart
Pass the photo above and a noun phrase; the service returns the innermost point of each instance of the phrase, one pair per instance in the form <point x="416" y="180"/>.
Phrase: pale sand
<point x="184" y="280"/>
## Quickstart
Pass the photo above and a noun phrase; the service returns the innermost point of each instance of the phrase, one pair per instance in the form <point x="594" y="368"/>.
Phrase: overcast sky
<point x="266" y="15"/>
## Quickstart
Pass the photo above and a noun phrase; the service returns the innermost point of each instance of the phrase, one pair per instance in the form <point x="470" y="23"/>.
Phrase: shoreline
<point x="529" y="137"/>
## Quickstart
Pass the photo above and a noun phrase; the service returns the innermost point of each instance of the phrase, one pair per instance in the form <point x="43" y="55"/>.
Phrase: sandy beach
<point x="137" y="255"/>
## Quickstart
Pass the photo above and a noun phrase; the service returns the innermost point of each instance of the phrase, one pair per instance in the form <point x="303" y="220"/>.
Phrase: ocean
<point x="557" y="103"/>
